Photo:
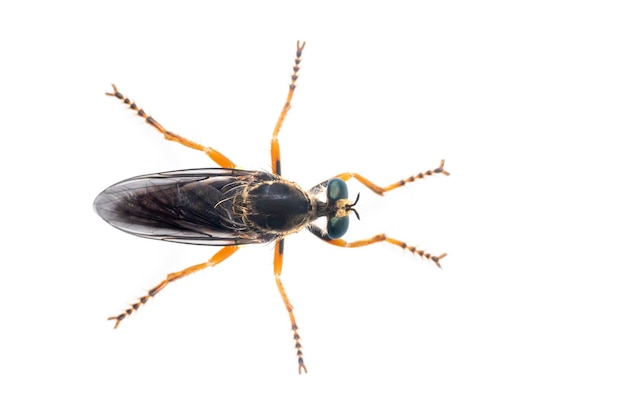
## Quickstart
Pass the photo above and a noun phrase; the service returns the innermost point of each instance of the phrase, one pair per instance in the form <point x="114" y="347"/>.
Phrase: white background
<point x="526" y="102"/>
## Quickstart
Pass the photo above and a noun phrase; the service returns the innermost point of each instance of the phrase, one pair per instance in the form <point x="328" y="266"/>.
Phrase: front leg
<point x="317" y="231"/>
<point x="376" y="188"/>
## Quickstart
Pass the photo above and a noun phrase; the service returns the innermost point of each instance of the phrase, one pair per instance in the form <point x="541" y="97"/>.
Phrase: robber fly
<point x="230" y="207"/>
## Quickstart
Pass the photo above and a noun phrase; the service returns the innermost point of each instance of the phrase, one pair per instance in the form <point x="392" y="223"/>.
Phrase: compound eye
<point x="337" y="189"/>
<point x="337" y="226"/>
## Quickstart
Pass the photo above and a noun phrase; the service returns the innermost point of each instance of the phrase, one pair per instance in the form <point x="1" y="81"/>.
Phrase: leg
<point x="220" y="256"/>
<point x="378" y="189"/>
<point x="374" y="239"/>
<point x="278" y="268"/>
<point x="275" y="152"/>
<point x="220" y="159"/>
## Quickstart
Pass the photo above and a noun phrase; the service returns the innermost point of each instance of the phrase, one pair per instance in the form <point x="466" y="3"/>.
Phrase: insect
<point x="231" y="207"/>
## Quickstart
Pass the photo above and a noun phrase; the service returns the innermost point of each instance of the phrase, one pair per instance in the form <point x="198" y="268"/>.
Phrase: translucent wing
<point x="195" y="206"/>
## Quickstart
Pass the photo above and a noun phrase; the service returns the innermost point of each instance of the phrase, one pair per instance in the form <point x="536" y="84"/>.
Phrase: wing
<point x="194" y="206"/>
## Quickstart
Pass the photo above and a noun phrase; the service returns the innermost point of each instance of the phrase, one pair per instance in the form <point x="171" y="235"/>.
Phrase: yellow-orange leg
<point x="374" y="239"/>
<point x="218" y="157"/>
<point x="382" y="190"/>
<point x="275" y="150"/>
<point x="220" y="256"/>
<point x="278" y="268"/>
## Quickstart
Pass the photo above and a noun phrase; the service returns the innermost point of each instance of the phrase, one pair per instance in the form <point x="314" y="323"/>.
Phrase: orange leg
<point x="382" y="190"/>
<point x="275" y="150"/>
<point x="220" y="256"/>
<point x="218" y="157"/>
<point x="374" y="239"/>
<point x="278" y="268"/>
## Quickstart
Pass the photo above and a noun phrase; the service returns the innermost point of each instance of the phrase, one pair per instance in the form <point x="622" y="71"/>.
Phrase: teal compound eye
<point x="336" y="190"/>
<point x="337" y="227"/>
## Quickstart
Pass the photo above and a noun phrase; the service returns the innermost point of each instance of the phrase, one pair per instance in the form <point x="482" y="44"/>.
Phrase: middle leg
<point x="275" y="149"/>
<point x="278" y="268"/>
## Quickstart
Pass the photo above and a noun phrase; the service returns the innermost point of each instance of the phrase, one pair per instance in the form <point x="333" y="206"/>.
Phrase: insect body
<point x="230" y="207"/>
<point x="220" y="206"/>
